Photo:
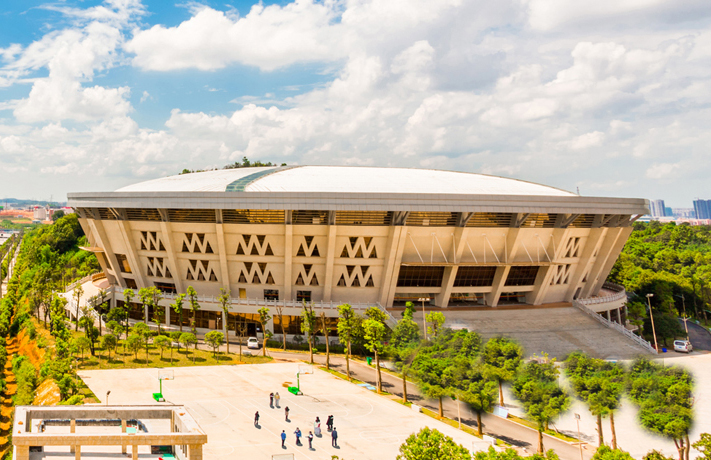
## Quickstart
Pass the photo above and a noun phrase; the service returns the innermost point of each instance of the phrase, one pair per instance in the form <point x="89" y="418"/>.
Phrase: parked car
<point x="683" y="346"/>
<point x="253" y="343"/>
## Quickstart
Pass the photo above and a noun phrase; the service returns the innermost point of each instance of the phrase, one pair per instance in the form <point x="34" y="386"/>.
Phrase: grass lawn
<point x="121" y="358"/>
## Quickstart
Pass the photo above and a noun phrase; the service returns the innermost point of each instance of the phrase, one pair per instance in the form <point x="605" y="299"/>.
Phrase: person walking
<point x="317" y="427"/>
<point x="334" y="437"/>
<point x="271" y="399"/>
<point x="310" y="437"/>
<point x="329" y="423"/>
<point x="256" y="418"/>
<point x="286" y="413"/>
<point x="283" y="439"/>
<point x="298" y="436"/>
<point x="276" y="399"/>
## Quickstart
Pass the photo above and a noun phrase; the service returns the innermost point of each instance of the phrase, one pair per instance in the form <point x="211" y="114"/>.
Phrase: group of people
<point x="317" y="429"/>
<point x="274" y="401"/>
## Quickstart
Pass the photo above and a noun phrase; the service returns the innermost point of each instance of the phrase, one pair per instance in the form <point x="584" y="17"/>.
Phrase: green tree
<point x="437" y="319"/>
<point x="77" y="293"/>
<point x="162" y="342"/>
<point x="214" y="339"/>
<point x="375" y="332"/>
<point x="177" y="306"/>
<point x="600" y="385"/>
<point x="87" y="323"/>
<point x="128" y="296"/>
<point x="543" y="399"/>
<point x="664" y="397"/>
<point x="225" y="300"/>
<point x="158" y="311"/>
<point x="480" y="393"/>
<point x="134" y="343"/>
<point x="703" y="445"/>
<point x="82" y="344"/>
<point x="187" y="339"/>
<point x="348" y="327"/>
<point x="142" y="330"/>
<point x="194" y="305"/>
<point x="109" y="343"/>
<point x="264" y="318"/>
<point x="430" y="444"/>
<point x="403" y="347"/>
<point x="502" y="358"/>
<point x="309" y="327"/>
<point x="605" y="453"/>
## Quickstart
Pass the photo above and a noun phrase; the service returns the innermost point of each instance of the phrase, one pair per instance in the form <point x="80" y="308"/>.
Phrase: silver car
<point x="683" y="346"/>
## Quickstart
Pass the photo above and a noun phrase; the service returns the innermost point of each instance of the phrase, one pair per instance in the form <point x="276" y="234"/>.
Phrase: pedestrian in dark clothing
<point x="283" y="438"/>
<point x="310" y="438"/>
<point x="286" y="413"/>
<point x="271" y="399"/>
<point x="298" y="436"/>
<point x="256" y="418"/>
<point x="329" y="423"/>
<point x="334" y="437"/>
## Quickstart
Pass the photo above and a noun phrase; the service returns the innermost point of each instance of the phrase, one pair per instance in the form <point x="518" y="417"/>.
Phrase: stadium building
<point x="327" y="235"/>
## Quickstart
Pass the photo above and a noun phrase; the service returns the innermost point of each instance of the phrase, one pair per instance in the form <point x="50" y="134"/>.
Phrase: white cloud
<point x="661" y="170"/>
<point x="268" y="37"/>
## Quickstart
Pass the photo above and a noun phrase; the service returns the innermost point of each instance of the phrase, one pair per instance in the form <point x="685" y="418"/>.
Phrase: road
<point x="699" y="336"/>
<point x="498" y="427"/>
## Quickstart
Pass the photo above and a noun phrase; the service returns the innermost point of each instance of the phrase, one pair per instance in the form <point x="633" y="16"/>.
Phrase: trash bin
<point x="664" y="350"/>
<point x="369" y="360"/>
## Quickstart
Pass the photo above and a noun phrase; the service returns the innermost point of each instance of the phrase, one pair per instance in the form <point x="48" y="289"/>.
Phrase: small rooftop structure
<point x="168" y="430"/>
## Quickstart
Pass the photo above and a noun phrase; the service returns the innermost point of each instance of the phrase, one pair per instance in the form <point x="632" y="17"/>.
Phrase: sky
<point x="611" y="97"/>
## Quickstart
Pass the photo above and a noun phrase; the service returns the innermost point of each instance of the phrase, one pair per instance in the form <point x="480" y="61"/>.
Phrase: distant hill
<point x="14" y="202"/>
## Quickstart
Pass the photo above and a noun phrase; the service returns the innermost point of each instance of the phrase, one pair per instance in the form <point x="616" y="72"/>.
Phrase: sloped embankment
<point x="6" y="403"/>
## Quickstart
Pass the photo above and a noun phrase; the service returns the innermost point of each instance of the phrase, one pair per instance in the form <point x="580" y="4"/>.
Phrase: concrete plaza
<point x="224" y="399"/>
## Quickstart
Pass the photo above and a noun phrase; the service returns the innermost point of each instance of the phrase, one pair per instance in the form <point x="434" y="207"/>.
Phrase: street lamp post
<point x="424" y="319"/>
<point x="580" y="440"/>
<point x="651" y="317"/>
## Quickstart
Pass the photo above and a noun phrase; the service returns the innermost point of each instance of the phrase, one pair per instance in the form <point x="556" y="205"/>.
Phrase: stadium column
<point x="222" y="249"/>
<point x="545" y="273"/>
<point x="131" y="253"/>
<point x="393" y="256"/>
<point x="622" y="234"/>
<point x="584" y="262"/>
<point x="502" y="272"/>
<point x="101" y="240"/>
<point x="330" y="256"/>
<point x="288" y="244"/>
<point x="608" y="241"/>
<point x="450" y="273"/>
<point x="167" y="236"/>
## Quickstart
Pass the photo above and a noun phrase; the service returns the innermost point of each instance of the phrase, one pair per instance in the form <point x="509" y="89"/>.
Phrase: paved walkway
<point x="512" y="433"/>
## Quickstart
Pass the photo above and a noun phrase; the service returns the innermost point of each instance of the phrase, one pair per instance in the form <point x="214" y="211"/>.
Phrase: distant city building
<point x="657" y="208"/>
<point x="668" y="212"/>
<point x="683" y="213"/>
<point x="702" y="208"/>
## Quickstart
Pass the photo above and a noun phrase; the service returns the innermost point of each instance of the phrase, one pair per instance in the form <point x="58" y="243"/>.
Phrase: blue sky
<point x="612" y="97"/>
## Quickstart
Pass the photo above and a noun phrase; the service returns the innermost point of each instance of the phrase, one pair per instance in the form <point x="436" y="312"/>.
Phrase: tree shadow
<point x="224" y="358"/>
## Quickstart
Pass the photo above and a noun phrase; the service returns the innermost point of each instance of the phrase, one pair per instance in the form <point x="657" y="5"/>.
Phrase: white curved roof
<point x="344" y="179"/>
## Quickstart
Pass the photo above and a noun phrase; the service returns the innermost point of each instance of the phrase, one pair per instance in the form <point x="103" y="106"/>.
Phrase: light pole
<point x="651" y="317"/>
<point x="107" y="397"/>
<point x="580" y="440"/>
<point x="686" y="326"/>
<point x="424" y="320"/>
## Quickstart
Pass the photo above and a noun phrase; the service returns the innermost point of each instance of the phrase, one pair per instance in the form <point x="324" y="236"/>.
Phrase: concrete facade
<point x="185" y="435"/>
<point x="456" y="249"/>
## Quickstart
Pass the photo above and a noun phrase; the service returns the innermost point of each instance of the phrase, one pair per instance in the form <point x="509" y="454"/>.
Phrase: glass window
<point x="522" y="276"/>
<point x="420" y="276"/>
<point x="474" y="276"/>
<point x="303" y="296"/>
<point x="271" y="294"/>
<point x="123" y="263"/>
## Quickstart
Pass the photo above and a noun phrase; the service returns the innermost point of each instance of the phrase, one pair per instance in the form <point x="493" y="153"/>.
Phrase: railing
<point x="613" y="325"/>
<point x="87" y="278"/>
<point x="618" y="295"/>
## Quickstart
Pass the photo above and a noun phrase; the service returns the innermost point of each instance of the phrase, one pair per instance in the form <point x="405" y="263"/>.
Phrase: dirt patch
<point x="47" y="394"/>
